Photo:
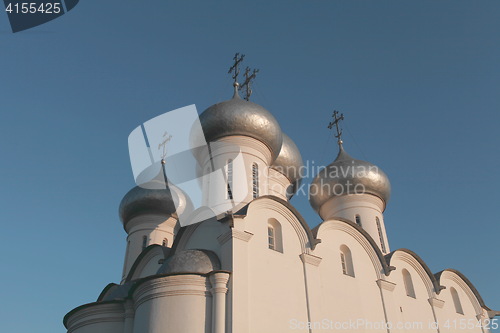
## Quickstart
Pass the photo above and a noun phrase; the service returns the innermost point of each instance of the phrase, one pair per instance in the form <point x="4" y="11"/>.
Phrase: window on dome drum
<point x="144" y="242"/>
<point x="410" y="291"/>
<point x="346" y="261"/>
<point x="274" y="235"/>
<point x="456" y="301"/>
<point x="229" y="174"/>
<point x="165" y="242"/>
<point x="380" y="235"/>
<point x="358" y="220"/>
<point x="255" y="180"/>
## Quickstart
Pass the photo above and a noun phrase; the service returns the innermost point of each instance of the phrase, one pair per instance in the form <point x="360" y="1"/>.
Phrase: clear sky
<point x="418" y="82"/>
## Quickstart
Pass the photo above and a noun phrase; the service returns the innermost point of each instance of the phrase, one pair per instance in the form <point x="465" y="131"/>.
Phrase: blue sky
<point x="418" y="82"/>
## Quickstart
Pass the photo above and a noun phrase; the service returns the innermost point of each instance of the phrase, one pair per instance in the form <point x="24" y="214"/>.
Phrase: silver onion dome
<point x="146" y="200"/>
<point x="191" y="261"/>
<point x="345" y="176"/>
<point x="289" y="163"/>
<point x="239" y="117"/>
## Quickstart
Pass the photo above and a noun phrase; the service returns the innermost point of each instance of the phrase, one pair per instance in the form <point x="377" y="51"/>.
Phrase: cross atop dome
<point x="249" y="77"/>
<point x="335" y="122"/>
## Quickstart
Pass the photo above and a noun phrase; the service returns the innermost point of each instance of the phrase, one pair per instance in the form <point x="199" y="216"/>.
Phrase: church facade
<point x="261" y="268"/>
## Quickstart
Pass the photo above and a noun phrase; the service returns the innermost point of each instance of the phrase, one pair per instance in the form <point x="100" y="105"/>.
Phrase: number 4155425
<point x="33" y="8"/>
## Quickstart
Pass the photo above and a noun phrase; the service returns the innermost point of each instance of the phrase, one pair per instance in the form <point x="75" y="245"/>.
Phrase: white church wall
<point x="464" y="315"/>
<point x="348" y="296"/>
<point x="181" y="303"/>
<point x="413" y="290"/>
<point x="276" y="279"/>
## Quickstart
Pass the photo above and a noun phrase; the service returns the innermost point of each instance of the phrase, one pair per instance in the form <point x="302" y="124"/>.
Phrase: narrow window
<point x="410" y="291"/>
<point x="255" y="180"/>
<point x="358" y="220"/>
<point x="342" y="260"/>
<point x="379" y="228"/>
<point x="144" y="242"/>
<point x="346" y="261"/>
<point x="229" y="194"/>
<point x="456" y="301"/>
<point x="165" y="242"/>
<point x="271" y="238"/>
<point x="274" y="235"/>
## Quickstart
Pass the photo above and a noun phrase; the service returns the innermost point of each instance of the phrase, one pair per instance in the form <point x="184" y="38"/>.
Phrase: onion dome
<point x="289" y="163"/>
<point x="346" y="176"/>
<point x="143" y="200"/>
<point x="240" y="117"/>
<point x="191" y="261"/>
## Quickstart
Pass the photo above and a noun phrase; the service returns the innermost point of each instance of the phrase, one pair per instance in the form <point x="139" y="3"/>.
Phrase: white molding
<point x="435" y="302"/>
<point x="386" y="285"/>
<point x="310" y="259"/>
<point x="233" y="233"/>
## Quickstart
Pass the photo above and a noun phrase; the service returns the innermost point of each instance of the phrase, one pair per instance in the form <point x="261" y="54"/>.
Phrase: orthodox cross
<point x="163" y="144"/>
<point x="236" y="67"/>
<point x="248" y="81"/>
<point x="335" y="122"/>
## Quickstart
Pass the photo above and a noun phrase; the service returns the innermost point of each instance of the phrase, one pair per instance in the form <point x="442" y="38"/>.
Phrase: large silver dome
<point x="239" y="117"/>
<point x="345" y="176"/>
<point x="141" y="201"/>
<point x="289" y="163"/>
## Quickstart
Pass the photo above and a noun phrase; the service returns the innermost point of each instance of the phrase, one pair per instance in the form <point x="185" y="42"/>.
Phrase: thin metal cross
<point x="163" y="144"/>
<point x="335" y="122"/>
<point x="248" y="81"/>
<point x="236" y="67"/>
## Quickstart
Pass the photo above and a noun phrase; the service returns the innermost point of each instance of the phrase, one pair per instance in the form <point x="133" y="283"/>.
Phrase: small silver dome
<point x="289" y="163"/>
<point x="239" y="117"/>
<point x="345" y="176"/>
<point x="140" y="201"/>
<point x="191" y="261"/>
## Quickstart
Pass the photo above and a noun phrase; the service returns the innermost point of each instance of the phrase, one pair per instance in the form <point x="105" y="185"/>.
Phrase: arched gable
<point x="411" y="258"/>
<point x="148" y="262"/>
<point x="362" y="237"/>
<point x="467" y="287"/>
<point x="290" y="214"/>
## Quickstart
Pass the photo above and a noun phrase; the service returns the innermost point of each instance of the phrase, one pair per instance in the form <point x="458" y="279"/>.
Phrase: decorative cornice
<point x="233" y="233"/>
<point x="435" y="302"/>
<point x="310" y="259"/>
<point x="386" y="285"/>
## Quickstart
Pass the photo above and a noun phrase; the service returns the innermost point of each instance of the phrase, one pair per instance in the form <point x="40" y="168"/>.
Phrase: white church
<point x="261" y="269"/>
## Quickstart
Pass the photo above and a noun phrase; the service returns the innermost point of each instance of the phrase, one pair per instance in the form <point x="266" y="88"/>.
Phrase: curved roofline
<point x="146" y="251"/>
<point x="467" y="282"/>
<point x="312" y="239"/>
<point x="380" y="255"/>
<point x="84" y="306"/>
<point x="435" y="282"/>
<point x="105" y="290"/>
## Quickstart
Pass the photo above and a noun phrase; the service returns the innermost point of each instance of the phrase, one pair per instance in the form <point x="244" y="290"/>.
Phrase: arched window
<point x="165" y="242"/>
<point x="144" y="242"/>
<point x="410" y="291"/>
<point x="456" y="301"/>
<point x="346" y="261"/>
<point x="255" y="180"/>
<point x="380" y="235"/>
<point x="358" y="220"/>
<point x="274" y="235"/>
<point x="229" y="174"/>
